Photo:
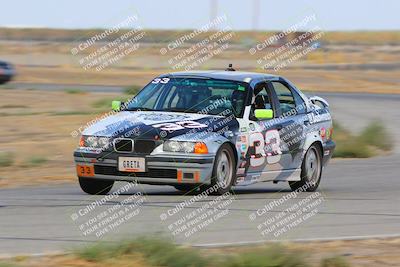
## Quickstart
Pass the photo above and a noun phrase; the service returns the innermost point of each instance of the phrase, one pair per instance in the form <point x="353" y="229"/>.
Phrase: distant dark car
<point x="7" y="72"/>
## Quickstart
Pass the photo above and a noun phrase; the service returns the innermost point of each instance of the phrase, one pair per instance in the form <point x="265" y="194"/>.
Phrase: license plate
<point x="131" y="164"/>
<point x="85" y="170"/>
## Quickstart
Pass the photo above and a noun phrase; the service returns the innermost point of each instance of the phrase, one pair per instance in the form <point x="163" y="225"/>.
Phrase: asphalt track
<point x="357" y="199"/>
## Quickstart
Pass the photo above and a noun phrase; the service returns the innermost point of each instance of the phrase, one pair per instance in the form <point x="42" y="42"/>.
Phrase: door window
<point x="261" y="99"/>
<point x="287" y="102"/>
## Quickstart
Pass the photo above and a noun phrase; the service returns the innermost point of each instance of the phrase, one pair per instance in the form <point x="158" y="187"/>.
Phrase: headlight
<point x="103" y="142"/>
<point x="95" y="142"/>
<point x="91" y="141"/>
<point x="186" y="147"/>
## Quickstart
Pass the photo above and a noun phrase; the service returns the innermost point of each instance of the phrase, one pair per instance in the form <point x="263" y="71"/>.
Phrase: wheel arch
<point x="235" y="153"/>
<point x="311" y="139"/>
<point x="318" y="143"/>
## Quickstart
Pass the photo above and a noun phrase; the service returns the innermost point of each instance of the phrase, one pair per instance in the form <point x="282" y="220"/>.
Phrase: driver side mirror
<point x="116" y="105"/>
<point x="264" y="114"/>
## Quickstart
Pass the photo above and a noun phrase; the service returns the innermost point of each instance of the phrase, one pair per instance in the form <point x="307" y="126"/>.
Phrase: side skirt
<point x="278" y="176"/>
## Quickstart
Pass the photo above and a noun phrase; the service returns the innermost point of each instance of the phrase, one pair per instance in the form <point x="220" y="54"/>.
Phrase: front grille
<point x="151" y="173"/>
<point x="137" y="146"/>
<point x="123" y="145"/>
<point x="144" y="146"/>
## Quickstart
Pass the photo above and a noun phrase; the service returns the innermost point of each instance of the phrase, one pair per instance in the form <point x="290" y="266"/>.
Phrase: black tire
<point x="311" y="170"/>
<point x="224" y="170"/>
<point x="95" y="186"/>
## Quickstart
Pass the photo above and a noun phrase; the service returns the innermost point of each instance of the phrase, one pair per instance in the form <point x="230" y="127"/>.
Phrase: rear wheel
<point x="223" y="170"/>
<point x="311" y="170"/>
<point x="95" y="186"/>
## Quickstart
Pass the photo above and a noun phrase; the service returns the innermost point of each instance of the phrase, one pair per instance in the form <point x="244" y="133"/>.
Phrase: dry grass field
<point x="345" y="62"/>
<point x="35" y="133"/>
<point x="158" y="36"/>
<point x="154" y="252"/>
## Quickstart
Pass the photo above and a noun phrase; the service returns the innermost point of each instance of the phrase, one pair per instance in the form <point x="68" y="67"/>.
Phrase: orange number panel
<point x="85" y="170"/>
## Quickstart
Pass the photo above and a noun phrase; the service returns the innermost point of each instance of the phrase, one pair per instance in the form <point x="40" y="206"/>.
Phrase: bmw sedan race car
<point x="207" y="128"/>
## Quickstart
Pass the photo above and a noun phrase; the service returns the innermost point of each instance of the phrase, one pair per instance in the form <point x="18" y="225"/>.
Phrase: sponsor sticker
<point x="240" y="171"/>
<point x="322" y="132"/>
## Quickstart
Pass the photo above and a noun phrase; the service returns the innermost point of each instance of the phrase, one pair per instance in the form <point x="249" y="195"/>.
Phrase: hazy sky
<point x="184" y="14"/>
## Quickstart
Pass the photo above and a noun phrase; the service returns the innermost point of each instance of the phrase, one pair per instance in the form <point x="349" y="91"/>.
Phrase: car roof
<point x="240" y="76"/>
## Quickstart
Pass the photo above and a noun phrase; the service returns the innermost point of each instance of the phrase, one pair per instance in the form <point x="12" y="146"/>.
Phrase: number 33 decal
<point x="160" y="80"/>
<point x="265" y="147"/>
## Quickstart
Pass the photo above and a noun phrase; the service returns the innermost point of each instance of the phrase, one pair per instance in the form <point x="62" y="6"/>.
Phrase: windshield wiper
<point x="141" y="109"/>
<point x="187" y="110"/>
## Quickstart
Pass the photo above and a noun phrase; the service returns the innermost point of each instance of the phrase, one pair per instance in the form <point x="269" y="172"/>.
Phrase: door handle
<point x="283" y="124"/>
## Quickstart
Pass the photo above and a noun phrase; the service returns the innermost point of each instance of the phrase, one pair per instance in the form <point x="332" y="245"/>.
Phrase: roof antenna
<point x="230" y="68"/>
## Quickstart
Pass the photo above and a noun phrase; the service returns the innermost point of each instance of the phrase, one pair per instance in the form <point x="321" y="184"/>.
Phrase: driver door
<point x="267" y="156"/>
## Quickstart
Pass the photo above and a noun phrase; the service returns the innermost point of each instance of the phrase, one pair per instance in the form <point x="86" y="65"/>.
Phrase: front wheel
<point x="224" y="170"/>
<point x="311" y="170"/>
<point x="94" y="186"/>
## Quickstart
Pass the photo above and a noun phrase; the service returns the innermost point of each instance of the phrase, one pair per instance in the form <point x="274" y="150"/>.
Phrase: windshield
<point x="193" y="95"/>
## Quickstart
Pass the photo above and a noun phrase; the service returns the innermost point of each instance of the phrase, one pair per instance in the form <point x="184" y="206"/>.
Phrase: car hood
<point x="149" y="124"/>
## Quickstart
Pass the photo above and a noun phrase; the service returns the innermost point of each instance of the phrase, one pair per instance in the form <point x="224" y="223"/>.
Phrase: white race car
<point x="207" y="128"/>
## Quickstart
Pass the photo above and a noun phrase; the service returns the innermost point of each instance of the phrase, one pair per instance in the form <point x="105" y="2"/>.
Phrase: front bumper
<point x="166" y="169"/>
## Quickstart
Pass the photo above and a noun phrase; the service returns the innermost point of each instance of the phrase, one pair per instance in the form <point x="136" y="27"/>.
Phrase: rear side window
<point x="300" y="104"/>
<point x="286" y="99"/>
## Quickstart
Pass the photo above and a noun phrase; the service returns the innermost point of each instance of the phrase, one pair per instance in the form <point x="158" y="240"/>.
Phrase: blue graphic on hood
<point x="161" y="125"/>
